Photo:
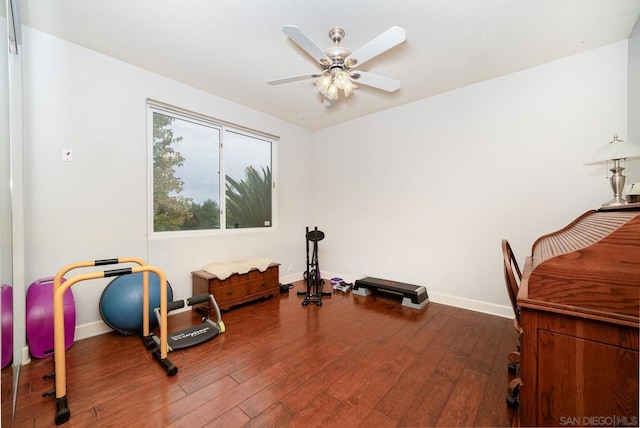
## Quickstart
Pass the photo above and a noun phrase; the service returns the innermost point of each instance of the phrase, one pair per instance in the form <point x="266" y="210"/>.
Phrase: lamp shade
<point x="616" y="149"/>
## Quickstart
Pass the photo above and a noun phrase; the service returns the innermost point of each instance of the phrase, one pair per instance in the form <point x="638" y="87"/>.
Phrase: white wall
<point x="425" y="192"/>
<point x="96" y="206"/>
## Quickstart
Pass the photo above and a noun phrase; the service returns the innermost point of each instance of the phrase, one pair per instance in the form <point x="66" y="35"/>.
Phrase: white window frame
<point x="165" y="109"/>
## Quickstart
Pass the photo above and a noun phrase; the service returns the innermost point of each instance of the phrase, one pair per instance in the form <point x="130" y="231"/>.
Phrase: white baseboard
<point x="91" y="329"/>
<point x="473" y="305"/>
<point x="292" y="277"/>
<point x="26" y="356"/>
<point x="446" y="299"/>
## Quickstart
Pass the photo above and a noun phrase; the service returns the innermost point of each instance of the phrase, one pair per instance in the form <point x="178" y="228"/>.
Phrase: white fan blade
<point x="385" y="41"/>
<point x="294" y="78"/>
<point x="302" y="40"/>
<point x="375" y="81"/>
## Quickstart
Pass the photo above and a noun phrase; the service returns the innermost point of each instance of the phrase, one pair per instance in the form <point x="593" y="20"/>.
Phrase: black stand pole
<point x="312" y="275"/>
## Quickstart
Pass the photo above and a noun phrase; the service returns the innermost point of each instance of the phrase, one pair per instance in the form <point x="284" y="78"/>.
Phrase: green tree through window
<point x="249" y="200"/>
<point x="188" y="157"/>
<point x="203" y="216"/>
<point x="169" y="212"/>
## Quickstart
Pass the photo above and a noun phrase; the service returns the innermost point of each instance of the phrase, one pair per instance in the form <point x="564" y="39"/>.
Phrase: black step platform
<point x="414" y="296"/>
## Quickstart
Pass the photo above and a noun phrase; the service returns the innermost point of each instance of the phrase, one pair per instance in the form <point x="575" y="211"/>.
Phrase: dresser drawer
<point x="260" y="286"/>
<point x="224" y="295"/>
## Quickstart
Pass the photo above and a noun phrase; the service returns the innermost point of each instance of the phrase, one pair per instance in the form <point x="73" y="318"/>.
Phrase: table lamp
<point x="616" y="151"/>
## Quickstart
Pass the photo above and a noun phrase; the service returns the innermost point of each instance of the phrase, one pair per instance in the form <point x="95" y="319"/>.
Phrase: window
<point x="207" y="175"/>
<point x="248" y="181"/>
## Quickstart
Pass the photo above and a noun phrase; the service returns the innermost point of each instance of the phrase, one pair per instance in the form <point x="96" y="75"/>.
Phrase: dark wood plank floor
<point x="354" y="362"/>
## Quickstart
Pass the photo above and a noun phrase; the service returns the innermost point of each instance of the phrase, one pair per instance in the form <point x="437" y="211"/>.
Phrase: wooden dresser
<point x="579" y="305"/>
<point x="237" y="288"/>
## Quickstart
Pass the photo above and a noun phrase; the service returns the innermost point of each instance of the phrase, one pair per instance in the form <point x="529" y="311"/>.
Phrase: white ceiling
<point x="230" y="48"/>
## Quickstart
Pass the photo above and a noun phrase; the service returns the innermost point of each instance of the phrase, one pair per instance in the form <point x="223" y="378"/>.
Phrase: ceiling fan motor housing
<point x="336" y="34"/>
<point x="337" y="53"/>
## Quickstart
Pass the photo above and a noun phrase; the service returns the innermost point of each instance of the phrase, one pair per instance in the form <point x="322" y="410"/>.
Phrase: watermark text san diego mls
<point x="598" y="421"/>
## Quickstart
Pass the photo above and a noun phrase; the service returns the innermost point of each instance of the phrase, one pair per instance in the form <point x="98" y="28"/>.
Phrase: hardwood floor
<point x="355" y="361"/>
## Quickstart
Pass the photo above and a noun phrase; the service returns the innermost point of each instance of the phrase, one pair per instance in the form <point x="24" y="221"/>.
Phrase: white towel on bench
<point x="224" y="270"/>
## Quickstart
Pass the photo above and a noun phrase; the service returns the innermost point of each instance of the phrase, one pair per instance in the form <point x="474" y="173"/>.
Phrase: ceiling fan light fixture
<point x="349" y="87"/>
<point x="337" y="62"/>
<point x="330" y="84"/>
<point x="340" y="79"/>
<point x="323" y="83"/>
<point x="332" y="92"/>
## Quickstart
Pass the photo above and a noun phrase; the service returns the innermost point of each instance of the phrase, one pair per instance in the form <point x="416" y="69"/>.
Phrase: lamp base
<point x="617" y="184"/>
<point x="616" y="201"/>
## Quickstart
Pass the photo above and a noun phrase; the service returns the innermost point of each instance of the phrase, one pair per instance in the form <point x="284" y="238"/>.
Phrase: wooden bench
<point x="237" y="288"/>
<point x="414" y="296"/>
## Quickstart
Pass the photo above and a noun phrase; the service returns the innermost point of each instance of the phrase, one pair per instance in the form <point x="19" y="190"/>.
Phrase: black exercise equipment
<point x="315" y="282"/>
<point x="194" y="335"/>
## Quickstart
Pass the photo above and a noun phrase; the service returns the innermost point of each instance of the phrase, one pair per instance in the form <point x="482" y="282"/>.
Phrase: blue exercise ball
<point x="121" y="302"/>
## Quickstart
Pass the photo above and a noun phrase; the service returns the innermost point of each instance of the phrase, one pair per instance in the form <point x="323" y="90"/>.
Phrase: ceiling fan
<point x="337" y="62"/>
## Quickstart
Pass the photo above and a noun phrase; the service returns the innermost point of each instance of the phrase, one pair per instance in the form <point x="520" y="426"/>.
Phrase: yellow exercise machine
<point x="62" y="408"/>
